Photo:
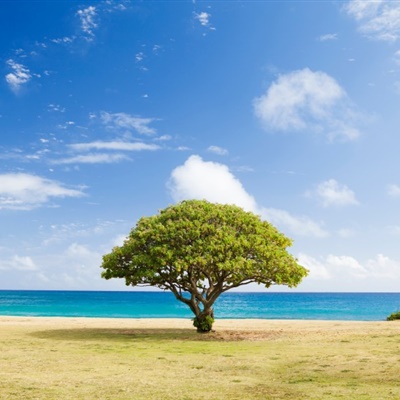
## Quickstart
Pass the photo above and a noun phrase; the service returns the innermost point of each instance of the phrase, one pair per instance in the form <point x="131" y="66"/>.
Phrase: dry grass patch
<point x="125" y="360"/>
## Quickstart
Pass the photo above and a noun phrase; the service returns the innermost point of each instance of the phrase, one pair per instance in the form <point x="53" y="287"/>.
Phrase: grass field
<point x="99" y="359"/>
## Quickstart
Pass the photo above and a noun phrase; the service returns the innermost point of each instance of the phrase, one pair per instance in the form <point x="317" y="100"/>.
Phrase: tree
<point x="199" y="250"/>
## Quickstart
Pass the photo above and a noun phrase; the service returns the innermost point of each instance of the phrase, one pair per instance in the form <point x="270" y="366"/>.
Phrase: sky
<point x="112" y="110"/>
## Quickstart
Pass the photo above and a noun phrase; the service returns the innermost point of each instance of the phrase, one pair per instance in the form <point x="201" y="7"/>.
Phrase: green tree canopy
<point x="198" y="250"/>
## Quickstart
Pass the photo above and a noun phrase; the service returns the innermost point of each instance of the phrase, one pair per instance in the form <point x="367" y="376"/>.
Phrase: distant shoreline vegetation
<point x="393" y="316"/>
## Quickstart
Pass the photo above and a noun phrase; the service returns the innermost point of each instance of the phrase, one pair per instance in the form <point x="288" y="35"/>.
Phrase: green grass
<point x="97" y="363"/>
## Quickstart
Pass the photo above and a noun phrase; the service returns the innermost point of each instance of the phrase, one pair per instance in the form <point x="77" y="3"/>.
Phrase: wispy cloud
<point x="156" y="48"/>
<point x="198" y="179"/>
<point x="63" y="40"/>
<point x="300" y="225"/>
<point x="163" y="138"/>
<point x="19" y="76"/>
<point x="328" y="36"/>
<point x="90" y="18"/>
<point x="87" y="18"/>
<point x="139" y="56"/>
<point x="332" y="193"/>
<point x="393" y="190"/>
<point x="20" y="263"/>
<point x="116" y="5"/>
<point x="56" y="108"/>
<point x="217" y="150"/>
<point x="63" y="233"/>
<point x="378" y="19"/>
<point x="304" y="100"/>
<point x="20" y="191"/>
<point x="130" y="122"/>
<point x="98" y="158"/>
<point x="204" y="19"/>
<point x="244" y="168"/>
<point x="125" y="146"/>
<point x="102" y="157"/>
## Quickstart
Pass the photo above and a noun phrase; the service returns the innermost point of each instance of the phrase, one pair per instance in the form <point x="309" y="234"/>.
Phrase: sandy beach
<point x="256" y="326"/>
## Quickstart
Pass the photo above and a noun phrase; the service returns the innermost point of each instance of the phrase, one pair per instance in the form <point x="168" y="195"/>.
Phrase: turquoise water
<point x="321" y="306"/>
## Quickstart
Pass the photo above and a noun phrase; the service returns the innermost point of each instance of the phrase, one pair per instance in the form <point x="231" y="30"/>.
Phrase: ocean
<point x="135" y="304"/>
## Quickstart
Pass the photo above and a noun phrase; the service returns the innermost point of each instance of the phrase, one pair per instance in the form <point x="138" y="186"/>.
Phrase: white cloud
<point x="360" y="9"/>
<point x="62" y="233"/>
<point x="119" y="5"/>
<point x="87" y="18"/>
<point x="383" y="267"/>
<point x="198" y="179"/>
<point x="218" y="150"/>
<point x="203" y="18"/>
<point x="163" y="138"/>
<point x="98" y="158"/>
<point x="244" y="168"/>
<point x="379" y="19"/>
<point x="77" y="266"/>
<point x="79" y="250"/>
<point x="63" y="40"/>
<point x="21" y="191"/>
<point x="139" y="56"/>
<point x="124" y="146"/>
<point x="126" y="121"/>
<point x="393" y="190"/>
<point x="349" y="268"/>
<point x="317" y="270"/>
<point x="348" y="263"/>
<point x="66" y="125"/>
<point x="156" y="48"/>
<point x="183" y="148"/>
<point x="306" y="100"/>
<point x="328" y="36"/>
<point x="119" y="240"/>
<point x="56" y="108"/>
<point x="63" y="256"/>
<point x="90" y="16"/>
<point x="103" y="158"/>
<point x="332" y="193"/>
<point x="300" y="225"/>
<point x="16" y="262"/>
<point x="19" y="76"/>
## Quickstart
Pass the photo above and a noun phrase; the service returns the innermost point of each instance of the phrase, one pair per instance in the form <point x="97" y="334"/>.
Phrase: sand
<point x="248" y="326"/>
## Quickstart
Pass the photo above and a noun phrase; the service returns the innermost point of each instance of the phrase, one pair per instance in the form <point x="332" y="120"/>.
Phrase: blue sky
<point x="111" y="110"/>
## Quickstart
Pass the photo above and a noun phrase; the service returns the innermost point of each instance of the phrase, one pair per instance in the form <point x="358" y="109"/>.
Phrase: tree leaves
<point x="203" y="249"/>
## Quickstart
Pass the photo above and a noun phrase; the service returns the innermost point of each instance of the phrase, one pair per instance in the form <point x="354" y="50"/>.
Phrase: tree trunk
<point x="204" y="320"/>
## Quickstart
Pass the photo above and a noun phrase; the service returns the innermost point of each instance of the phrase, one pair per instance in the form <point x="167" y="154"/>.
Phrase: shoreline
<point x="186" y="323"/>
